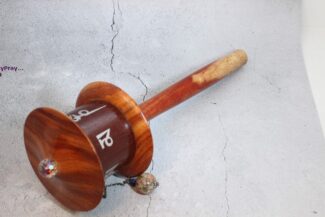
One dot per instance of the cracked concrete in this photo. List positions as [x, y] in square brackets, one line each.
[149, 204]
[150, 196]
[264, 162]
[115, 29]
[142, 83]
[224, 156]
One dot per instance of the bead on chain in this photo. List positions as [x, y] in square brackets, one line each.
[144, 184]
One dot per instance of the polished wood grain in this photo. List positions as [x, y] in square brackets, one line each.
[73, 143]
[50, 134]
[109, 93]
[98, 117]
[193, 84]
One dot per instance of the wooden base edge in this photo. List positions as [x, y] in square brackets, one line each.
[109, 93]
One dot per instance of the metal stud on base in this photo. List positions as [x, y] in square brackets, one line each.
[47, 168]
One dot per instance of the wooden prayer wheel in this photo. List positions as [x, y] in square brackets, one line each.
[107, 133]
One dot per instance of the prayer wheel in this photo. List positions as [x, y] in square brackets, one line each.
[106, 134]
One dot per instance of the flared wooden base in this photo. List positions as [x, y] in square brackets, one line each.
[106, 134]
[52, 135]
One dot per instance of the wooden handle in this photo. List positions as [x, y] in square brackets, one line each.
[193, 84]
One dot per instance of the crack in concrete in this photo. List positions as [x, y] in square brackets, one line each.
[142, 83]
[149, 204]
[119, 9]
[116, 30]
[143, 99]
[225, 163]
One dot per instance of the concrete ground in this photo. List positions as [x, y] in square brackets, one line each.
[250, 146]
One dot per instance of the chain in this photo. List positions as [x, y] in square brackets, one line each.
[113, 184]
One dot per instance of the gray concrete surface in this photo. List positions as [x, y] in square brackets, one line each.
[249, 146]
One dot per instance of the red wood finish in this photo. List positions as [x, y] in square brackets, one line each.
[108, 130]
[92, 141]
[107, 133]
[193, 84]
[110, 94]
[79, 182]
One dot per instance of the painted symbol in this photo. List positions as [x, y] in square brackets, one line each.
[104, 138]
[84, 113]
